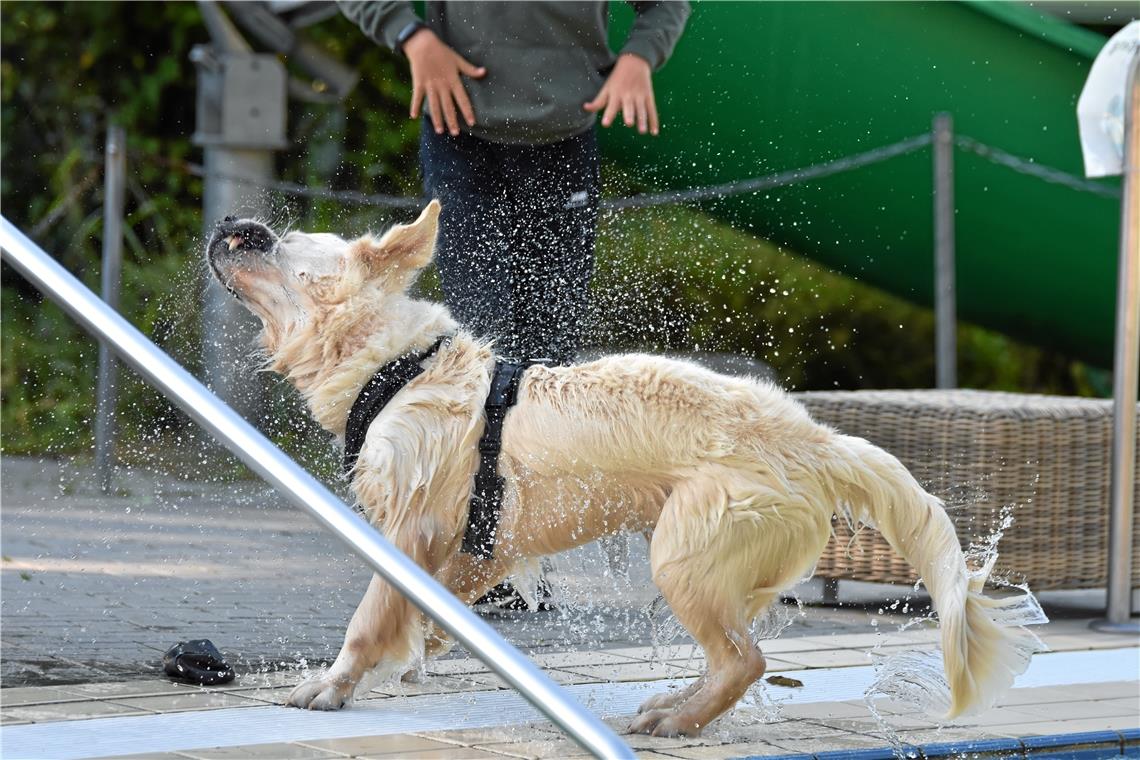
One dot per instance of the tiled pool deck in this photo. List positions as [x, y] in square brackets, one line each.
[817, 727]
[94, 587]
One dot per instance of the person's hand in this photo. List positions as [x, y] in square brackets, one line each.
[436, 69]
[629, 89]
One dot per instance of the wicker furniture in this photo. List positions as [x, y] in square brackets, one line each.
[1045, 458]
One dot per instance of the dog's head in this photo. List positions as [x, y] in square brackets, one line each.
[318, 285]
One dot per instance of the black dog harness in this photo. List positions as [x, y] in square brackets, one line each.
[487, 497]
[376, 393]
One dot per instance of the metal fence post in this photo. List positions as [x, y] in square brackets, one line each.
[1125, 376]
[240, 122]
[106, 393]
[945, 309]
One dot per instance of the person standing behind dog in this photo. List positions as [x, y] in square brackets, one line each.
[511, 93]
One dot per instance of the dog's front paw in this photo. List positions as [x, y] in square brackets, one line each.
[326, 693]
[664, 723]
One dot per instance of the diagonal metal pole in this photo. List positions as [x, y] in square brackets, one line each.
[271, 463]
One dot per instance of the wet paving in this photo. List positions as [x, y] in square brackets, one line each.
[96, 587]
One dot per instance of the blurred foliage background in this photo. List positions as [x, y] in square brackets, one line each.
[669, 279]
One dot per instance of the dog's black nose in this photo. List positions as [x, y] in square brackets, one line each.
[233, 234]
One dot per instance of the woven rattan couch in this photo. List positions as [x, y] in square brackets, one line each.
[1046, 458]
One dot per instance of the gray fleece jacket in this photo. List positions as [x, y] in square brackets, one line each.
[543, 59]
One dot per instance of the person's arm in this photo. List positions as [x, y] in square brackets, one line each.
[629, 87]
[436, 68]
[656, 30]
[381, 20]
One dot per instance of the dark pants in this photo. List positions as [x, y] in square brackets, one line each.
[516, 238]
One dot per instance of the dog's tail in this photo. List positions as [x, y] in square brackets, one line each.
[980, 657]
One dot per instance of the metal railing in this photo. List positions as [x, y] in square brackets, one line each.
[279, 470]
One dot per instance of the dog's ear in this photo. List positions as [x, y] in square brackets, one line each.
[406, 248]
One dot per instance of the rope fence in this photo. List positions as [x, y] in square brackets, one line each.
[1034, 169]
[903, 147]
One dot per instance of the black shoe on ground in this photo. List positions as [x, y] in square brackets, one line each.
[506, 597]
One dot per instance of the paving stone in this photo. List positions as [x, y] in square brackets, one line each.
[432, 685]
[633, 671]
[812, 745]
[1074, 710]
[1105, 690]
[832, 658]
[538, 748]
[493, 681]
[998, 716]
[869, 725]
[916, 737]
[391, 744]
[275, 695]
[8, 719]
[450, 753]
[34, 695]
[498, 735]
[790, 730]
[70, 711]
[1090, 640]
[141, 688]
[727, 751]
[1049, 727]
[281, 751]
[576, 660]
[825, 710]
[193, 701]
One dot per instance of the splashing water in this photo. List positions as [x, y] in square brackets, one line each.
[773, 621]
[664, 626]
[915, 680]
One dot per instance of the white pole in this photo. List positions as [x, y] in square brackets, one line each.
[1124, 378]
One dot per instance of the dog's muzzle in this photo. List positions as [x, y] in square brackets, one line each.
[234, 238]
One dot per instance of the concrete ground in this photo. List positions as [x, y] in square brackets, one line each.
[93, 588]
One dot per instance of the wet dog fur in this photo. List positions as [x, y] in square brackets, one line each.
[734, 479]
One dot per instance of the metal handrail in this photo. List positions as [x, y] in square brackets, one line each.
[284, 474]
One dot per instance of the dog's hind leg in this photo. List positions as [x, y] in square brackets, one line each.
[708, 553]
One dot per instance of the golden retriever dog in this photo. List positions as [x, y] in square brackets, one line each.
[736, 482]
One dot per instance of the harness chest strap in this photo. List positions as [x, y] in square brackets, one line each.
[487, 496]
[376, 393]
